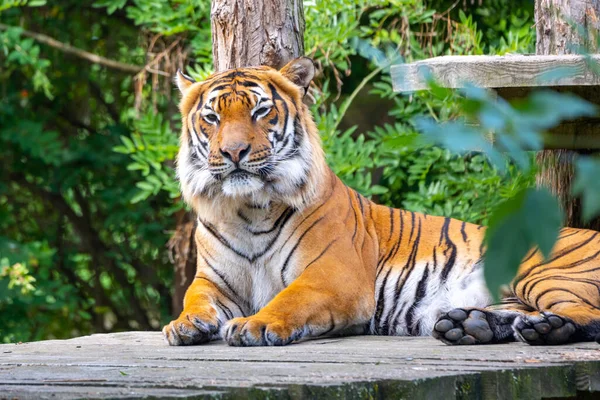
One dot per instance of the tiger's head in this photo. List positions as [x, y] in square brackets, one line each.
[248, 136]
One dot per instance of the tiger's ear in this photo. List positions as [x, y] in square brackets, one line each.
[183, 81]
[300, 71]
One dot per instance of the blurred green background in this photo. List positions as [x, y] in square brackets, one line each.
[88, 199]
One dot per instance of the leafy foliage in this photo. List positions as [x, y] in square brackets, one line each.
[88, 192]
[77, 255]
[150, 145]
[529, 220]
[504, 133]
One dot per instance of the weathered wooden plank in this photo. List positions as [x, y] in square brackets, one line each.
[498, 71]
[140, 364]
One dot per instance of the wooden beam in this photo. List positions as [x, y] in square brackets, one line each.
[498, 71]
[583, 134]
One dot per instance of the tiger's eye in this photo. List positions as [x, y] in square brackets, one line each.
[211, 118]
[261, 112]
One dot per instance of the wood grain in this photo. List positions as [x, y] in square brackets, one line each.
[498, 71]
[140, 364]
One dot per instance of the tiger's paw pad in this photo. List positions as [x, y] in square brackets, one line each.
[253, 331]
[189, 329]
[461, 326]
[544, 329]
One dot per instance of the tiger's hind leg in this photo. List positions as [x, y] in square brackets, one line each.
[480, 325]
[564, 323]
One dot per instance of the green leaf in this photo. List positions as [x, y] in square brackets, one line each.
[544, 109]
[140, 196]
[145, 186]
[36, 3]
[530, 219]
[128, 144]
[121, 149]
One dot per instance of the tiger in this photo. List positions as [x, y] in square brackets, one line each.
[286, 251]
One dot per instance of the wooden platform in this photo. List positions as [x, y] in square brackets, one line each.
[140, 364]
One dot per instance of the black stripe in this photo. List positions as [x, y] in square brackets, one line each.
[462, 231]
[360, 203]
[321, 254]
[348, 190]
[557, 289]
[298, 133]
[247, 83]
[200, 101]
[381, 299]
[561, 302]
[555, 257]
[236, 73]
[592, 282]
[284, 145]
[220, 275]
[220, 87]
[312, 212]
[285, 264]
[394, 248]
[273, 121]
[408, 267]
[526, 290]
[419, 295]
[391, 223]
[451, 246]
[412, 225]
[275, 95]
[280, 222]
[529, 256]
[218, 289]
[568, 235]
[244, 218]
[224, 308]
[257, 206]
[212, 230]
[274, 238]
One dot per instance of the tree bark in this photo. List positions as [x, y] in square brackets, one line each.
[256, 32]
[565, 27]
[245, 33]
[183, 255]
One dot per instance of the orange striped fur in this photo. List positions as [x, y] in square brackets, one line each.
[286, 251]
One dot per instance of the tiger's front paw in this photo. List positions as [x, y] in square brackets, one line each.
[463, 326]
[192, 327]
[257, 331]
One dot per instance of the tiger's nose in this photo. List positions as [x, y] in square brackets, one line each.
[235, 152]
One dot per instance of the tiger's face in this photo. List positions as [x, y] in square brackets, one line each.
[246, 132]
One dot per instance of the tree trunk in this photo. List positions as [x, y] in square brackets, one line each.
[245, 33]
[183, 255]
[256, 32]
[565, 27]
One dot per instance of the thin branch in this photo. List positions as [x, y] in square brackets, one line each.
[160, 55]
[86, 55]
